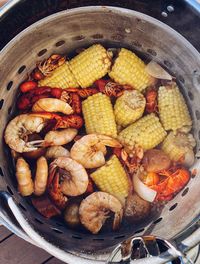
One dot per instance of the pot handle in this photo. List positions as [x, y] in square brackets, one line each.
[17, 223]
[147, 245]
[20, 226]
[8, 220]
[195, 4]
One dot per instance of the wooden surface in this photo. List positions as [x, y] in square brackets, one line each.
[2, 2]
[14, 250]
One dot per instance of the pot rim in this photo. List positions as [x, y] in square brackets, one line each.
[89, 9]
[108, 9]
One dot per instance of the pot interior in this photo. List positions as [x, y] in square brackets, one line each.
[64, 32]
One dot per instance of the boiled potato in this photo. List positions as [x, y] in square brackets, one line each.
[136, 208]
[71, 214]
[155, 160]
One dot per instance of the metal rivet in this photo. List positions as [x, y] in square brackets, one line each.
[164, 14]
[170, 8]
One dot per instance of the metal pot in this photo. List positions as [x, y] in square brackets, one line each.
[61, 33]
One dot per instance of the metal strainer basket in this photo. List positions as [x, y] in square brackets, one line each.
[62, 33]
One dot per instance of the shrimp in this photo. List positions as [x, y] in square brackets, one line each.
[18, 129]
[52, 105]
[58, 138]
[90, 150]
[24, 178]
[41, 176]
[55, 152]
[74, 178]
[94, 210]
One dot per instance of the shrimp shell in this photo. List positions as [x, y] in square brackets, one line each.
[90, 150]
[24, 178]
[19, 128]
[52, 105]
[55, 152]
[94, 210]
[75, 176]
[58, 138]
[41, 176]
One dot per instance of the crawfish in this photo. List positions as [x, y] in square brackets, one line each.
[54, 189]
[111, 88]
[151, 101]
[47, 66]
[45, 206]
[27, 100]
[75, 102]
[176, 179]
[131, 159]
[58, 121]
[66, 177]
[83, 93]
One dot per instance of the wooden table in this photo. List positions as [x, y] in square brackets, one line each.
[14, 250]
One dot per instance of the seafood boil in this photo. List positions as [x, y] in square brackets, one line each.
[100, 139]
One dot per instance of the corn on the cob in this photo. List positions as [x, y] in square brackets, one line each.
[173, 110]
[129, 107]
[130, 69]
[90, 65]
[61, 77]
[112, 178]
[98, 115]
[147, 132]
[176, 145]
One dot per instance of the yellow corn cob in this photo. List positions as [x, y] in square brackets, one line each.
[130, 69]
[173, 110]
[98, 115]
[90, 65]
[61, 77]
[129, 107]
[176, 145]
[112, 178]
[147, 132]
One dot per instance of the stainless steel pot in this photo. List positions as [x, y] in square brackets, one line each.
[62, 33]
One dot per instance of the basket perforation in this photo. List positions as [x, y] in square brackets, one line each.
[42, 52]
[186, 190]
[173, 207]
[9, 85]
[21, 69]
[63, 34]
[60, 43]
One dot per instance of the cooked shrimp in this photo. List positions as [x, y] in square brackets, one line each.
[24, 179]
[19, 128]
[41, 176]
[95, 209]
[58, 138]
[55, 152]
[52, 105]
[90, 150]
[75, 178]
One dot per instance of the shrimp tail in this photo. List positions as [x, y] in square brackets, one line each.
[117, 220]
[35, 144]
